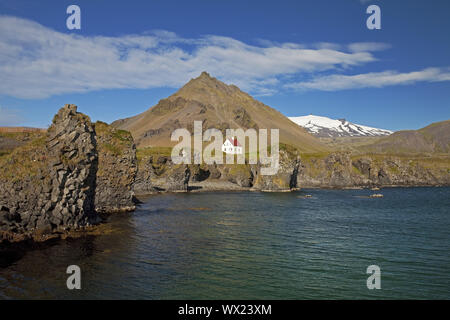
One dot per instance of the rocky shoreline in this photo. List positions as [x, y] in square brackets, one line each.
[221, 186]
[157, 173]
[338, 170]
[65, 181]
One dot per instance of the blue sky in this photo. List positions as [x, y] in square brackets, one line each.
[299, 57]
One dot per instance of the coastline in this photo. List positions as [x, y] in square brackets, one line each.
[35, 239]
[220, 185]
[69, 178]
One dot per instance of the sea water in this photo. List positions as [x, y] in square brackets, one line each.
[252, 245]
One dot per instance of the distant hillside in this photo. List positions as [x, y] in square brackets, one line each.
[434, 138]
[20, 129]
[219, 106]
[330, 128]
[13, 137]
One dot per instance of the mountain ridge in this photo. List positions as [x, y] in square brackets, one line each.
[434, 138]
[219, 106]
[325, 127]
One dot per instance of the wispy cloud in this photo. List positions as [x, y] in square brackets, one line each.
[38, 62]
[372, 80]
[368, 46]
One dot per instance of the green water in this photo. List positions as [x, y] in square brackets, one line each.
[251, 245]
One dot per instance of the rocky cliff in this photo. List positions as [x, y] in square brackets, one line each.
[48, 186]
[327, 170]
[286, 177]
[342, 169]
[158, 173]
[117, 167]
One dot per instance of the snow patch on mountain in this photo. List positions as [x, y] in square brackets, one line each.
[326, 127]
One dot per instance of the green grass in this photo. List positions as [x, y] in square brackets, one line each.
[153, 151]
[24, 161]
[21, 136]
[308, 157]
[357, 171]
[12, 135]
[122, 135]
[394, 169]
[116, 140]
[290, 150]
[240, 169]
[116, 150]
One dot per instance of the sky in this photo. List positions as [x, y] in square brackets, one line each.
[299, 57]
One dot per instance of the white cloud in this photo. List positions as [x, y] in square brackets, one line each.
[38, 62]
[372, 80]
[367, 46]
[328, 45]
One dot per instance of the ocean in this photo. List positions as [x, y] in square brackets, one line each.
[251, 245]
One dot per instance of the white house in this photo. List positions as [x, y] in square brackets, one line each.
[232, 146]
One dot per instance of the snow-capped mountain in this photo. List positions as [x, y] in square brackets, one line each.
[326, 127]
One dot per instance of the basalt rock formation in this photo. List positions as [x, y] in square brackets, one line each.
[53, 184]
[48, 186]
[117, 168]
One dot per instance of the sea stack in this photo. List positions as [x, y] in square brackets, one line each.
[58, 182]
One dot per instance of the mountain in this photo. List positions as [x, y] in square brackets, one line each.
[326, 127]
[434, 138]
[219, 106]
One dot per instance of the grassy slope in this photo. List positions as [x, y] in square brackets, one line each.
[24, 161]
[12, 139]
[434, 138]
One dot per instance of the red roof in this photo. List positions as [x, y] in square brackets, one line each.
[234, 142]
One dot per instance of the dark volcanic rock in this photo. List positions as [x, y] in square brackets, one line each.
[117, 167]
[145, 173]
[54, 184]
[159, 173]
[199, 172]
[48, 186]
[72, 161]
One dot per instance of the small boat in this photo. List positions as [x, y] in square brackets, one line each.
[376, 195]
